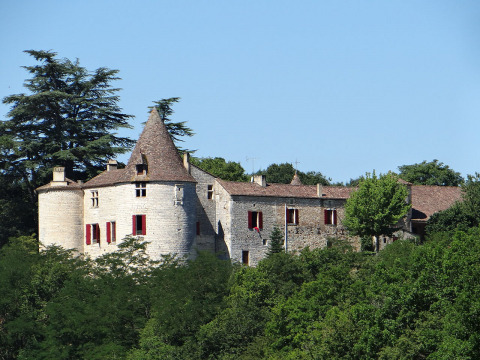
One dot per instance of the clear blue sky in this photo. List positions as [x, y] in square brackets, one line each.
[343, 87]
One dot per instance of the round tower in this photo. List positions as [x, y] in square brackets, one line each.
[60, 212]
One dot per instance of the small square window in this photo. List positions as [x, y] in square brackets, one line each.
[209, 192]
[255, 220]
[245, 259]
[141, 189]
[292, 216]
[330, 216]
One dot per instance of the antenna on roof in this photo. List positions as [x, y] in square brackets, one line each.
[253, 163]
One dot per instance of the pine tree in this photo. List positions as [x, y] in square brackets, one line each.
[276, 242]
[68, 117]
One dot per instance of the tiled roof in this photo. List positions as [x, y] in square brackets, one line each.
[71, 185]
[154, 147]
[283, 190]
[296, 180]
[427, 200]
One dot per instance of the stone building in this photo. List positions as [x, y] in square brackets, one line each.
[179, 208]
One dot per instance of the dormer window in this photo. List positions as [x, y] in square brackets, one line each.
[142, 169]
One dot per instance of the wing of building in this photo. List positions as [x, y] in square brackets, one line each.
[180, 209]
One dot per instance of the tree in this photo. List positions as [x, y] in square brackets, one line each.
[376, 207]
[225, 170]
[177, 130]
[431, 173]
[283, 174]
[276, 242]
[68, 118]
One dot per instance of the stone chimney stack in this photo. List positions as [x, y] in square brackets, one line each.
[260, 180]
[186, 161]
[319, 190]
[59, 176]
[112, 165]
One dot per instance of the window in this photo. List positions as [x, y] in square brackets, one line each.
[92, 234]
[111, 231]
[142, 169]
[141, 189]
[94, 197]
[209, 192]
[245, 257]
[292, 216]
[178, 194]
[198, 227]
[255, 220]
[330, 216]
[139, 225]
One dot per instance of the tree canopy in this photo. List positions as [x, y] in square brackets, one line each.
[430, 173]
[283, 174]
[68, 117]
[376, 207]
[219, 167]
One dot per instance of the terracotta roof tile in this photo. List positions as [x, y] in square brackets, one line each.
[427, 200]
[70, 185]
[296, 180]
[283, 190]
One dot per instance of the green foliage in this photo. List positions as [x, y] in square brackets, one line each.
[225, 170]
[177, 130]
[68, 118]
[283, 174]
[430, 173]
[276, 241]
[376, 207]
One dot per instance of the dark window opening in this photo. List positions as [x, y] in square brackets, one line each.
[142, 169]
[198, 227]
[292, 216]
[96, 233]
[210, 192]
[330, 216]
[255, 220]
[245, 257]
[111, 231]
[139, 225]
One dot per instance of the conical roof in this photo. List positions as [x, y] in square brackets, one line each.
[296, 180]
[156, 150]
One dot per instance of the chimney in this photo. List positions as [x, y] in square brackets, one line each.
[186, 161]
[59, 176]
[112, 165]
[319, 190]
[260, 180]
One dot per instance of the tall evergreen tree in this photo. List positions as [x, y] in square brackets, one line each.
[68, 117]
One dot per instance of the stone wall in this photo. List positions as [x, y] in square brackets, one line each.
[60, 214]
[170, 224]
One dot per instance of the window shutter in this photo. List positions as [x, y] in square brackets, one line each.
[134, 225]
[335, 217]
[250, 220]
[88, 234]
[144, 224]
[109, 238]
[325, 216]
[97, 232]
[260, 220]
[296, 216]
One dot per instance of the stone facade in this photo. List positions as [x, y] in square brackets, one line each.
[181, 209]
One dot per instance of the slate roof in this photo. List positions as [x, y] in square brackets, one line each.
[283, 190]
[156, 148]
[428, 199]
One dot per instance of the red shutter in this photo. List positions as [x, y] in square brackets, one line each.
[134, 225]
[109, 238]
[296, 216]
[97, 232]
[88, 234]
[325, 216]
[144, 224]
[250, 220]
[335, 217]
[260, 220]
